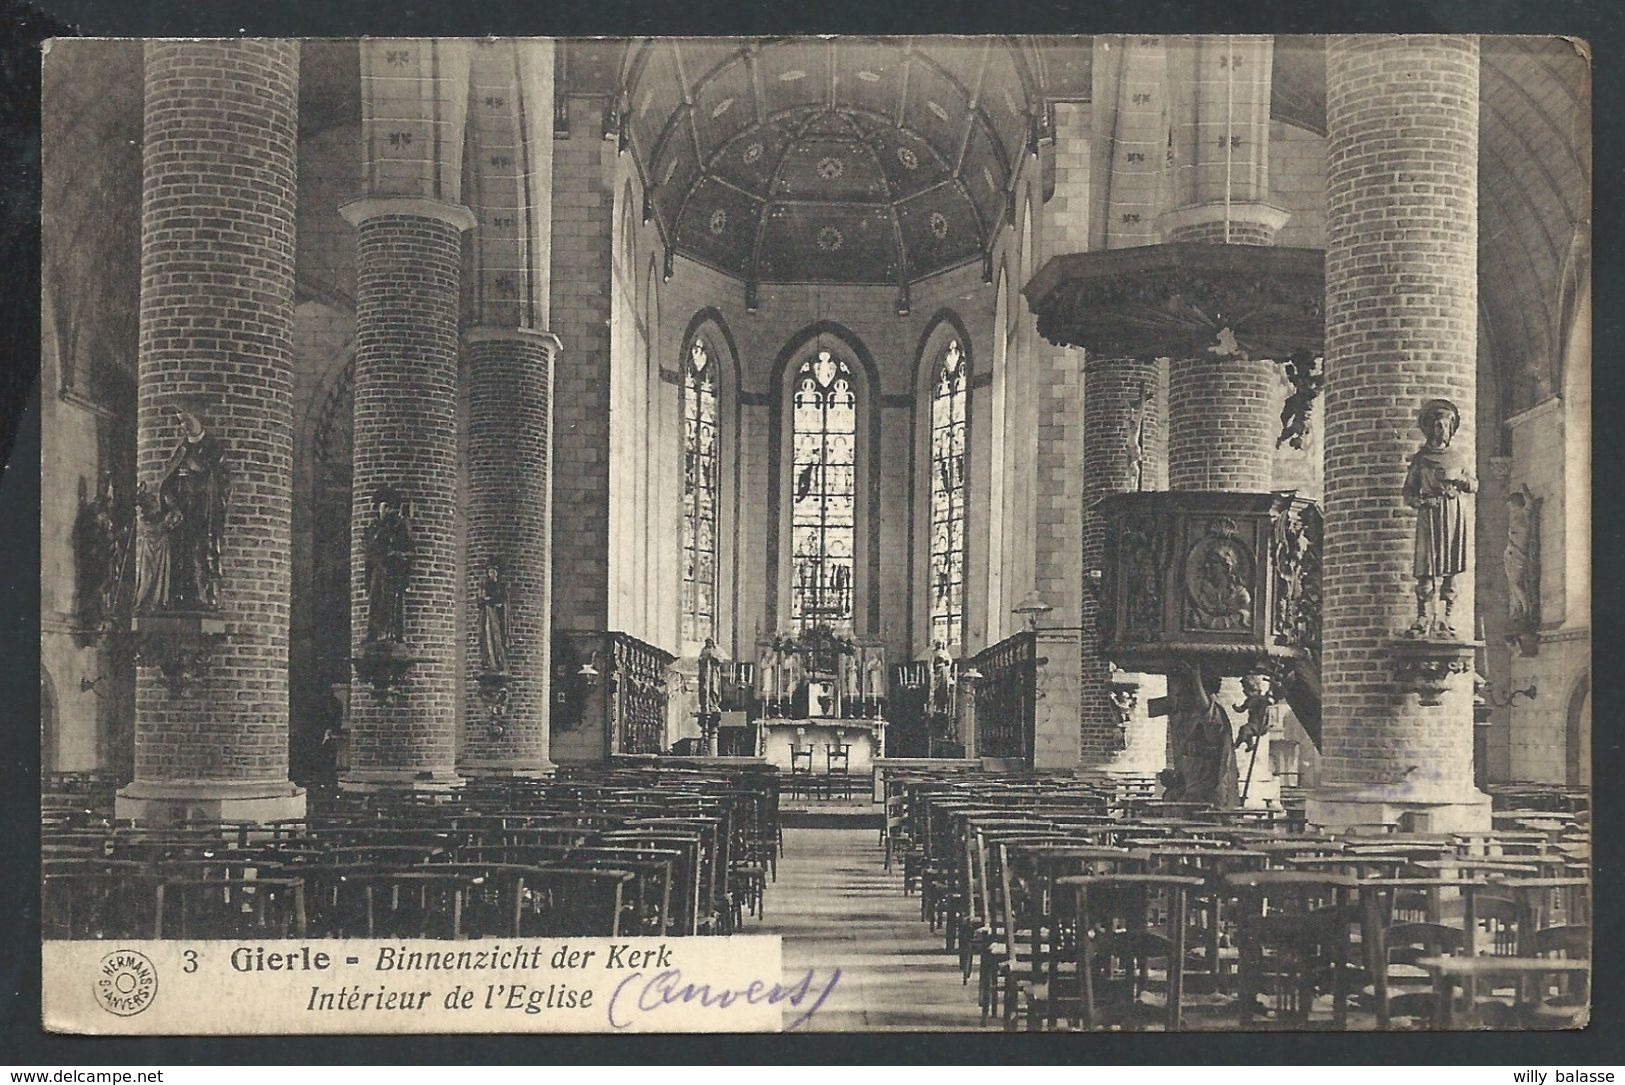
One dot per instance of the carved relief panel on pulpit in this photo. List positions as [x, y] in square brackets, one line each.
[1227, 576]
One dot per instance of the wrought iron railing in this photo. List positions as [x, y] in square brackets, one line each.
[1006, 696]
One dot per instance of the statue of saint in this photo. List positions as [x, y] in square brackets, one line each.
[1516, 559]
[1204, 750]
[851, 679]
[389, 550]
[1438, 478]
[767, 676]
[493, 621]
[710, 679]
[155, 527]
[195, 486]
[874, 675]
[942, 679]
[791, 674]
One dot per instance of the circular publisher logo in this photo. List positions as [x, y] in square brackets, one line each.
[126, 982]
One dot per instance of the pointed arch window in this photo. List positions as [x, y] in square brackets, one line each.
[700, 478]
[948, 411]
[823, 494]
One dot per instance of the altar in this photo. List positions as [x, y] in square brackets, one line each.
[866, 739]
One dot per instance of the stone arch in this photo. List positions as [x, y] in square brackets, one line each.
[1577, 733]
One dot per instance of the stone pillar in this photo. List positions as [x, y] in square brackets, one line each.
[217, 268]
[1120, 396]
[408, 283]
[508, 381]
[1401, 328]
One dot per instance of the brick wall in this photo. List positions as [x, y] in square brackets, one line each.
[1401, 326]
[216, 334]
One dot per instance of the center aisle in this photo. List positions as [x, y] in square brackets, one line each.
[837, 907]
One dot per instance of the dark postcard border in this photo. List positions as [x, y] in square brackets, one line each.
[23, 26]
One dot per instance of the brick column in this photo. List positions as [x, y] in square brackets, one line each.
[407, 297]
[1401, 328]
[217, 266]
[509, 384]
[1220, 415]
[1112, 390]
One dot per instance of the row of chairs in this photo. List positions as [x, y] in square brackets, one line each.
[616, 851]
[1091, 902]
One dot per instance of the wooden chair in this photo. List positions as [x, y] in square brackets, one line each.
[801, 771]
[837, 769]
[230, 908]
[1118, 940]
[1294, 933]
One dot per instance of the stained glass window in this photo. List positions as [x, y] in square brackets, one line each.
[700, 473]
[948, 498]
[823, 494]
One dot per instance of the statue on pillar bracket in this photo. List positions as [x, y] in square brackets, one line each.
[384, 657]
[495, 680]
[178, 535]
[1436, 485]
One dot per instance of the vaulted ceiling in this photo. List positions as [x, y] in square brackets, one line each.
[833, 143]
[830, 160]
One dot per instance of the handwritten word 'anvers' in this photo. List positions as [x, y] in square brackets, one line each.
[636, 995]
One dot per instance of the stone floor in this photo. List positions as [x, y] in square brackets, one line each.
[837, 907]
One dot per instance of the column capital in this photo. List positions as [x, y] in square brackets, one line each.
[363, 208]
[496, 333]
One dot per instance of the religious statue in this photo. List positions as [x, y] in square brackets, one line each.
[194, 489]
[154, 551]
[874, 675]
[710, 679]
[851, 679]
[1307, 376]
[1204, 751]
[942, 679]
[1518, 559]
[767, 676]
[1136, 438]
[389, 552]
[493, 621]
[1257, 691]
[790, 675]
[103, 551]
[1438, 478]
